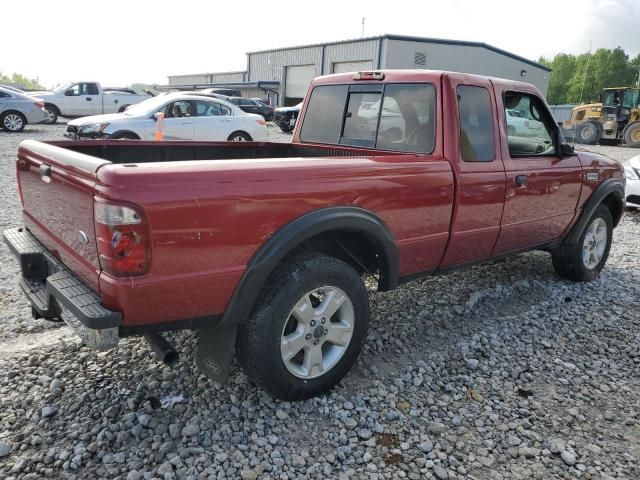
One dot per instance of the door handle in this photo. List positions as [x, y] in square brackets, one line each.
[88, 99]
[521, 180]
[187, 123]
[45, 173]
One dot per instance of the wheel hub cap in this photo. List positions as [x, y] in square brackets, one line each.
[594, 244]
[317, 332]
[12, 122]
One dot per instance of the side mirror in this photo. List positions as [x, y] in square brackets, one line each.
[567, 150]
[158, 115]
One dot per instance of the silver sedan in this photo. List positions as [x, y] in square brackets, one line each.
[17, 110]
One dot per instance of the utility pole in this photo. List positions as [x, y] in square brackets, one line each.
[363, 20]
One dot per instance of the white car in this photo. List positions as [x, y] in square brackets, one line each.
[186, 117]
[632, 188]
[518, 124]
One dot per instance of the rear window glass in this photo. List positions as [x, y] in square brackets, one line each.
[401, 118]
[476, 124]
[323, 120]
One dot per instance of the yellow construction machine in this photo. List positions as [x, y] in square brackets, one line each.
[614, 119]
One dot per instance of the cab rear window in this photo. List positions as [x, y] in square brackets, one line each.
[395, 116]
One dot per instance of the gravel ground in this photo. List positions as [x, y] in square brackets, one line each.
[503, 371]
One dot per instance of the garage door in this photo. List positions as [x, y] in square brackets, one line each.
[360, 66]
[297, 81]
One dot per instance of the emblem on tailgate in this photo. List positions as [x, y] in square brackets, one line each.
[84, 239]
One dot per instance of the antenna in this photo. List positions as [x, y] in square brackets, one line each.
[363, 20]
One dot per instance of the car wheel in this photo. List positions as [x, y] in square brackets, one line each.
[285, 127]
[124, 136]
[307, 328]
[239, 137]
[588, 133]
[631, 135]
[584, 260]
[13, 121]
[53, 113]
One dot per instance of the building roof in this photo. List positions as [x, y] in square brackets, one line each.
[409, 38]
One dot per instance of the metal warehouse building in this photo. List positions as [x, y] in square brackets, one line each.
[284, 74]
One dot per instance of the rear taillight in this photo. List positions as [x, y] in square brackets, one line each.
[122, 238]
[40, 104]
[261, 122]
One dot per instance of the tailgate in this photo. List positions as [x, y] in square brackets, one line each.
[57, 188]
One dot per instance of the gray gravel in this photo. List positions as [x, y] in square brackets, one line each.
[503, 371]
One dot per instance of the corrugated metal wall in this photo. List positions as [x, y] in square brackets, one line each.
[462, 58]
[222, 77]
[350, 52]
[270, 65]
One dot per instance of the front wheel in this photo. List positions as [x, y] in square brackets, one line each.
[588, 133]
[13, 121]
[239, 137]
[307, 328]
[584, 260]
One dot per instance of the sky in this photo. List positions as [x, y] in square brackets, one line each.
[121, 42]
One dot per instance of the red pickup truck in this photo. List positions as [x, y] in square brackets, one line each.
[262, 247]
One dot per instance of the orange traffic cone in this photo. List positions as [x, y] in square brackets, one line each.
[159, 126]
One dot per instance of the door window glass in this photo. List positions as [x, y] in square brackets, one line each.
[361, 118]
[208, 109]
[529, 126]
[476, 124]
[181, 108]
[323, 120]
[90, 89]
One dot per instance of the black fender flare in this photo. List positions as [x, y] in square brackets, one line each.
[608, 187]
[294, 234]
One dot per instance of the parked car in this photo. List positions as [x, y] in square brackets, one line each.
[632, 187]
[263, 248]
[519, 124]
[17, 110]
[252, 106]
[285, 117]
[186, 117]
[79, 99]
[227, 92]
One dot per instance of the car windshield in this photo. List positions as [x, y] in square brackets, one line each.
[64, 87]
[147, 107]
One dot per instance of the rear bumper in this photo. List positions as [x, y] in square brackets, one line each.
[54, 291]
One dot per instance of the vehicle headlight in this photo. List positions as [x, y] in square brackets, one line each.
[630, 174]
[93, 128]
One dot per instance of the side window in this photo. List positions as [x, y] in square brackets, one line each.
[181, 108]
[476, 124]
[407, 119]
[361, 119]
[4, 95]
[91, 89]
[224, 110]
[206, 109]
[529, 127]
[75, 90]
[323, 118]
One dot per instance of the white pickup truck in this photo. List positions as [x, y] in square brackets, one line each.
[81, 99]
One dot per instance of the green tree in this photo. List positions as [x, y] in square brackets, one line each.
[20, 81]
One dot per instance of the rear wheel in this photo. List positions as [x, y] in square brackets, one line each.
[584, 260]
[239, 137]
[588, 133]
[13, 121]
[631, 135]
[307, 328]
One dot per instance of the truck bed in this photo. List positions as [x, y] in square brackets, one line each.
[122, 152]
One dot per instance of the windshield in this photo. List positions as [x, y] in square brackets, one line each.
[65, 87]
[630, 98]
[147, 107]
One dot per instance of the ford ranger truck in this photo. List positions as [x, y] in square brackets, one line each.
[262, 247]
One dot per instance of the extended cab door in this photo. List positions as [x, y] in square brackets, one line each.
[472, 146]
[212, 121]
[542, 187]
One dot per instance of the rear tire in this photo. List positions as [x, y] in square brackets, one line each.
[583, 261]
[588, 133]
[13, 121]
[631, 135]
[239, 137]
[307, 328]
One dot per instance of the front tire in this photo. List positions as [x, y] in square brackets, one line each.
[307, 328]
[631, 135]
[124, 136]
[13, 121]
[583, 261]
[239, 137]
